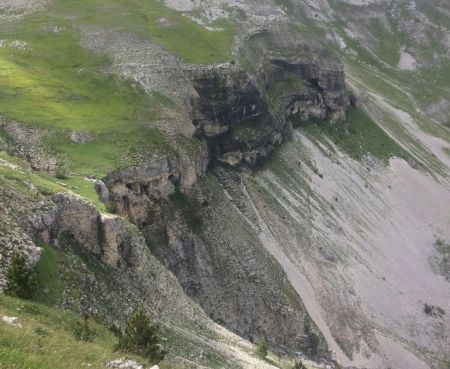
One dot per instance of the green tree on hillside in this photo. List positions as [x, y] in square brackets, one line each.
[298, 365]
[21, 280]
[141, 337]
[261, 349]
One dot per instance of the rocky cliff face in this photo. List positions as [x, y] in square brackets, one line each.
[235, 282]
[192, 218]
[182, 210]
[309, 88]
[243, 120]
[110, 238]
[232, 116]
[138, 192]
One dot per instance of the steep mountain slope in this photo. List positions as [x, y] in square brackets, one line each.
[276, 167]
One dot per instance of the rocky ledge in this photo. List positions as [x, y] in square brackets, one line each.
[243, 118]
[231, 115]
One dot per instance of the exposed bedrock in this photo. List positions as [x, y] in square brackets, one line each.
[138, 192]
[231, 115]
[112, 239]
[170, 202]
[243, 118]
[309, 88]
[185, 214]
[231, 277]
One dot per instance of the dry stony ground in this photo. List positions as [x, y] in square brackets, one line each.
[363, 269]
[15, 8]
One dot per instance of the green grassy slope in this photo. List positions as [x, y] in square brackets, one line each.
[150, 18]
[362, 137]
[13, 171]
[47, 340]
[48, 81]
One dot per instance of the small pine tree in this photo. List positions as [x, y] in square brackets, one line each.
[314, 341]
[21, 280]
[83, 331]
[298, 365]
[141, 337]
[261, 349]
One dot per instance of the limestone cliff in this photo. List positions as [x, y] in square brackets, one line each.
[182, 209]
[243, 117]
[232, 116]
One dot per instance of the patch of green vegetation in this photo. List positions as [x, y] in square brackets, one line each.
[439, 75]
[49, 288]
[21, 279]
[52, 82]
[107, 151]
[388, 47]
[189, 207]
[150, 18]
[46, 339]
[21, 177]
[362, 136]
[46, 184]
[261, 349]
[80, 186]
[141, 337]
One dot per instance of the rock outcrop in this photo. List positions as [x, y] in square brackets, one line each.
[26, 142]
[232, 116]
[14, 216]
[309, 88]
[236, 115]
[14, 241]
[224, 276]
[110, 238]
[137, 192]
[243, 118]
[220, 262]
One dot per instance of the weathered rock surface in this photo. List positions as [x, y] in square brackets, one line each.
[233, 281]
[223, 268]
[112, 239]
[243, 118]
[26, 142]
[137, 192]
[80, 137]
[111, 278]
[14, 241]
[232, 113]
[13, 221]
[232, 116]
[310, 88]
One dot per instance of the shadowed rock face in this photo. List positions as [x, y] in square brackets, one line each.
[235, 116]
[110, 238]
[232, 116]
[311, 89]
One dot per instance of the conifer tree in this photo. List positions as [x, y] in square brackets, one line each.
[141, 337]
[21, 280]
[261, 349]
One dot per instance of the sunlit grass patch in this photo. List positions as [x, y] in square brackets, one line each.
[149, 18]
